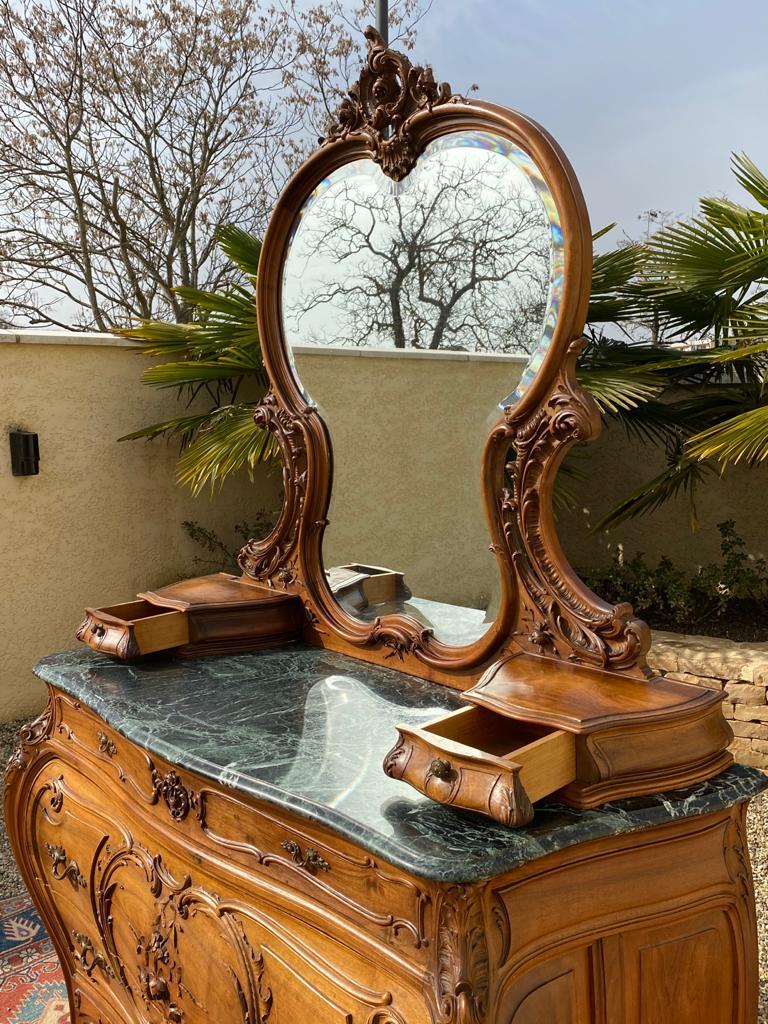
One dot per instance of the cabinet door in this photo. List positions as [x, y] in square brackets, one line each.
[685, 972]
[560, 991]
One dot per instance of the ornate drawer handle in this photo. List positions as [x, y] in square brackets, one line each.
[178, 799]
[106, 745]
[88, 958]
[311, 861]
[61, 868]
[440, 769]
[98, 630]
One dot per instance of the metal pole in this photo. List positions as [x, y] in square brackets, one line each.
[382, 20]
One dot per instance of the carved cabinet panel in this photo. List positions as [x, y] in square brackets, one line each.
[560, 991]
[676, 972]
[685, 971]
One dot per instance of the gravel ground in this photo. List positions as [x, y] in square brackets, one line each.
[10, 882]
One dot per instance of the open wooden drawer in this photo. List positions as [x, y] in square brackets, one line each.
[134, 628]
[218, 614]
[481, 761]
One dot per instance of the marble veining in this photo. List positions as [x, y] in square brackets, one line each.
[307, 729]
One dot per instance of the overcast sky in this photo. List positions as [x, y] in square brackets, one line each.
[648, 99]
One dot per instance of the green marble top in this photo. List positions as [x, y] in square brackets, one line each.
[307, 729]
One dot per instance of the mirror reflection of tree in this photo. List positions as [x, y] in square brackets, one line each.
[455, 258]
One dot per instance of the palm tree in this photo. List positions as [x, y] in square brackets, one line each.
[215, 359]
[706, 278]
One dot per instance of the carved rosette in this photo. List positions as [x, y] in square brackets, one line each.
[381, 106]
[558, 615]
[461, 967]
[274, 560]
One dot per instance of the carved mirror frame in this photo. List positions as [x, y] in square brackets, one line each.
[390, 116]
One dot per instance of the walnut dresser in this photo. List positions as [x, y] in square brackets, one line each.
[215, 841]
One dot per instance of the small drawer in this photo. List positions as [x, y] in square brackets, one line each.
[480, 761]
[132, 629]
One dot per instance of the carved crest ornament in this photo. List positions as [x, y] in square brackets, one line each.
[390, 115]
[382, 105]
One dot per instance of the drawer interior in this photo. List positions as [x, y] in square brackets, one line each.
[132, 611]
[487, 731]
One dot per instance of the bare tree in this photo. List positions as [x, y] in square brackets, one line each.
[130, 132]
[457, 258]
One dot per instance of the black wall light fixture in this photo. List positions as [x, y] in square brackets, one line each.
[25, 453]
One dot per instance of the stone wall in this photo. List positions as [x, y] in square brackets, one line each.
[739, 670]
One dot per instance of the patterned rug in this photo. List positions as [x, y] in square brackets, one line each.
[32, 989]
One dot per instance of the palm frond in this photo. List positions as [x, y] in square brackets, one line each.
[750, 177]
[156, 337]
[231, 442]
[740, 438]
[180, 426]
[614, 391]
[614, 297]
[241, 247]
[234, 363]
[717, 356]
[682, 477]
[235, 303]
[654, 422]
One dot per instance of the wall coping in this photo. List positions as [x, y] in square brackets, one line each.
[82, 338]
[709, 656]
[408, 353]
[95, 338]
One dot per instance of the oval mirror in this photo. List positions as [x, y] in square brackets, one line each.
[413, 312]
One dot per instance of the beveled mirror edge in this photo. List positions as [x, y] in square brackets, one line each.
[539, 607]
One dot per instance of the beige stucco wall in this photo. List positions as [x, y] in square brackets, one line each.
[102, 519]
[615, 466]
[408, 430]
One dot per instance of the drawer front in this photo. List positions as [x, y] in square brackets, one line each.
[377, 897]
[452, 774]
[82, 734]
[165, 933]
[68, 837]
[267, 842]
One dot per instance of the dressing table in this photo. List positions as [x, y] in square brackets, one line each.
[337, 788]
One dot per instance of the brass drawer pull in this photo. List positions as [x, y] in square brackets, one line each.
[311, 861]
[62, 868]
[88, 958]
[106, 745]
[440, 769]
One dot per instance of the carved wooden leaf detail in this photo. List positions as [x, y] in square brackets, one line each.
[462, 970]
[273, 559]
[559, 616]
